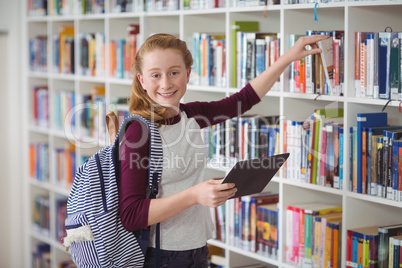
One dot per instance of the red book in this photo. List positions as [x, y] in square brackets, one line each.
[349, 249]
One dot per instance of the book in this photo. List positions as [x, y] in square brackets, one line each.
[394, 251]
[327, 57]
[360, 37]
[324, 241]
[240, 26]
[366, 120]
[385, 232]
[395, 65]
[336, 226]
[384, 65]
[357, 247]
[306, 235]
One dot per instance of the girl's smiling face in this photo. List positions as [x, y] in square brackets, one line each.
[164, 77]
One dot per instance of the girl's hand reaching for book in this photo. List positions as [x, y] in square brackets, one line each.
[300, 48]
[213, 193]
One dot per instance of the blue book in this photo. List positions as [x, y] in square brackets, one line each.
[341, 138]
[351, 130]
[370, 132]
[366, 120]
[395, 162]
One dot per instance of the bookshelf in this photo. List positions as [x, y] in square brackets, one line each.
[285, 19]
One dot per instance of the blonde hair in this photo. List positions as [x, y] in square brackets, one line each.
[140, 103]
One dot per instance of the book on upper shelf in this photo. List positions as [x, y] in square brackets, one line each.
[239, 26]
[327, 55]
[38, 53]
[364, 120]
[40, 106]
[39, 161]
[65, 57]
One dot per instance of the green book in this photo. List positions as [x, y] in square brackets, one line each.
[240, 26]
[322, 116]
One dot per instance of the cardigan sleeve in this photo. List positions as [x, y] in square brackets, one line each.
[133, 203]
[210, 113]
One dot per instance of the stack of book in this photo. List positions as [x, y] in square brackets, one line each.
[374, 246]
[209, 59]
[41, 257]
[65, 167]
[376, 157]
[378, 65]
[253, 223]
[93, 115]
[313, 235]
[39, 161]
[91, 54]
[319, 73]
[38, 54]
[64, 103]
[316, 148]
[123, 52]
[40, 215]
[40, 106]
[63, 56]
[244, 137]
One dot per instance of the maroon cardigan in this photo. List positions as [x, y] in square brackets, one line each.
[133, 202]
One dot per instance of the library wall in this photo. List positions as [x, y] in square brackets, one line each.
[11, 225]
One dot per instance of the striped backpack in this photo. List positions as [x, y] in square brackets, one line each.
[95, 234]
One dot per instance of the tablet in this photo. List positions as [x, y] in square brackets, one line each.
[252, 176]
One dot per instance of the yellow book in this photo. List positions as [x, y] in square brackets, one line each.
[65, 32]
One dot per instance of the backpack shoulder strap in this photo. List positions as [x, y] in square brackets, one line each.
[155, 149]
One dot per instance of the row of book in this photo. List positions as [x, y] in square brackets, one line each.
[38, 54]
[40, 106]
[254, 3]
[65, 7]
[64, 103]
[209, 54]
[252, 222]
[63, 52]
[313, 235]
[289, 2]
[319, 73]
[65, 165]
[91, 54]
[123, 52]
[316, 148]
[40, 215]
[243, 137]
[39, 161]
[374, 246]
[92, 111]
[203, 4]
[159, 5]
[378, 65]
[72, 7]
[93, 123]
[61, 215]
[255, 52]
[41, 256]
[376, 157]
